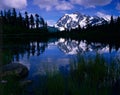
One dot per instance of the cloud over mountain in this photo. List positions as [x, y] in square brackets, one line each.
[64, 6]
[18, 4]
[53, 4]
[68, 4]
[91, 3]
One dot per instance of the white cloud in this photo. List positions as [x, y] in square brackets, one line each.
[68, 5]
[19, 4]
[53, 4]
[51, 22]
[64, 6]
[91, 3]
[118, 6]
[45, 4]
[105, 16]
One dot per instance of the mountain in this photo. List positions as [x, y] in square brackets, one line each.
[72, 21]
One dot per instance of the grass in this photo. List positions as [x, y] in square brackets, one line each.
[12, 86]
[6, 57]
[86, 77]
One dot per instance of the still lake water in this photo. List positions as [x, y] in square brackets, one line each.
[56, 54]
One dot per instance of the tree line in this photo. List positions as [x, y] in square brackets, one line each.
[112, 26]
[12, 21]
[107, 31]
[35, 26]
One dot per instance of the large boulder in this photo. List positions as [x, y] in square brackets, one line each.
[16, 69]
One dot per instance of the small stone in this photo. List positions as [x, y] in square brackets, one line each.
[14, 69]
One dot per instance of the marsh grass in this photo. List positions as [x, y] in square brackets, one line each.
[6, 57]
[86, 77]
[12, 86]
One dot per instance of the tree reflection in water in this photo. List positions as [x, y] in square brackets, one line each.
[68, 46]
[32, 48]
[97, 75]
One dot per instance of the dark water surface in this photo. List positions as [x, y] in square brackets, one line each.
[56, 54]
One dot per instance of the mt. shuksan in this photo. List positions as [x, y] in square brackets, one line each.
[72, 21]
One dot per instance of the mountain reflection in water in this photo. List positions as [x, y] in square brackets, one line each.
[54, 54]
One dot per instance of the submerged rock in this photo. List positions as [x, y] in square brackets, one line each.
[14, 69]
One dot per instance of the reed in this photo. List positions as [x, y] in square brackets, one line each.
[86, 77]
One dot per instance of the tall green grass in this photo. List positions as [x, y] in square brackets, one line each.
[86, 77]
[12, 86]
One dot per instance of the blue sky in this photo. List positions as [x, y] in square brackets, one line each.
[52, 10]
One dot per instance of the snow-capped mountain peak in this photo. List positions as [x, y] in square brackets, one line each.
[72, 21]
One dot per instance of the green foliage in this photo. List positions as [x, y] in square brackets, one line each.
[86, 77]
[32, 21]
[55, 84]
[11, 87]
[96, 71]
[36, 26]
[6, 57]
[13, 24]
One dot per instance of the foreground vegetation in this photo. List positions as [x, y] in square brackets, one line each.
[86, 77]
[10, 85]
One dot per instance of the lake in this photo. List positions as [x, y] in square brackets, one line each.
[42, 57]
[58, 52]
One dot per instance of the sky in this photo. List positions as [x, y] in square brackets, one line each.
[53, 10]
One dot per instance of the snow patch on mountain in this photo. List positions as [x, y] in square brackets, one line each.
[72, 21]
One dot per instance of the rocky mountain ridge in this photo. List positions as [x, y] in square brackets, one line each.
[74, 20]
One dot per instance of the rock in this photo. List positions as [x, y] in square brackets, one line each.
[14, 69]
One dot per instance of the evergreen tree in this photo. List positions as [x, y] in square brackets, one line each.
[8, 13]
[14, 13]
[26, 20]
[118, 21]
[1, 13]
[45, 25]
[42, 22]
[111, 26]
[20, 20]
[14, 17]
[9, 16]
[5, 14]
[37, 20]
[1, 17]
[32, 21]
[79, 27]
[118, 24]
[1, 22]
[14, 22]
[111, 20]
[88, 23]
[4, 18]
